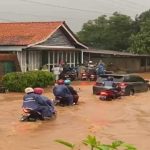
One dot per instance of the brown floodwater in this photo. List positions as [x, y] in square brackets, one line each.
[127, 119]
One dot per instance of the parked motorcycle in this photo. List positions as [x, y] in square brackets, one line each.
[92, 77]
[84, 76]
[70, 75]
[110, 94]
[92, 74]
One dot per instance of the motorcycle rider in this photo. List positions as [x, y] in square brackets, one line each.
[35, 102]
[72, 91]
[49, 102]
[61, 91]
[109, 82]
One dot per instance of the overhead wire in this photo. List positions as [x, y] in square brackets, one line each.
[63, 7]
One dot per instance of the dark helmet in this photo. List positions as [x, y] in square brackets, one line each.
[60, 82]
[67, 82]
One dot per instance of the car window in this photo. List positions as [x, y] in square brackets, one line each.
[129, 79]
[139, 79]
[133, 78]
[116, 78]
[101, 79]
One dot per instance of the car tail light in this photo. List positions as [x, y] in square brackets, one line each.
[103, 93]
[122, 85]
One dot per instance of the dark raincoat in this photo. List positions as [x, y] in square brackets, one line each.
[35, 102]
[63, 91]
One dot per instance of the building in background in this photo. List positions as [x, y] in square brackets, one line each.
[38, 44]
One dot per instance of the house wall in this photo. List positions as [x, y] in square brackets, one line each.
[34, 60]
[120, 63]
[57, 39]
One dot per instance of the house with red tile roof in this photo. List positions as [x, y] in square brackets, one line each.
[36, 44]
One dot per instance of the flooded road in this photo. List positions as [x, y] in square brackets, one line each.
[127, 119]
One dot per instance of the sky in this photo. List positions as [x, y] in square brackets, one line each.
[74, 12]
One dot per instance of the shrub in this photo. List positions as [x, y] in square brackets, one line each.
[18, 81]
[94, 144]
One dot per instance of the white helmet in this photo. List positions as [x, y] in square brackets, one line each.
[90, 62]
[29, 90]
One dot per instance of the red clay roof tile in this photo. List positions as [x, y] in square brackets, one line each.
[26, 33]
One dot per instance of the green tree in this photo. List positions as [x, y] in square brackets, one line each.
[140, 42]
[140, 39]
[120, 29]
[107, 32]
[94, 32]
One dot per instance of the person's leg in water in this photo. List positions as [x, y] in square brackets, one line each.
[75, 99]
[69, 100]
[45, 111]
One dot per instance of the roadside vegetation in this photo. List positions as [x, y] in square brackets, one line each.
[118, 32]
[18, 81]
[93, 144]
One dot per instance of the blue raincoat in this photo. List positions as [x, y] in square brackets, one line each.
[35, 102]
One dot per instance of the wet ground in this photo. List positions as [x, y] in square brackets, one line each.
[127, 119]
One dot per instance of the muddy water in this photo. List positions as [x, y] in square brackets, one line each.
[127, 119]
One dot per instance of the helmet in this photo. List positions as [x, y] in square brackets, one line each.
[90, 62]
[38, 91]
[28, 90]
[67, 82]
[60, 82]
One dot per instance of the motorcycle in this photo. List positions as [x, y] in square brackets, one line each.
[92, 74]
[60, 101]
[110, 94]
[70, 75]
[84, 76]
[92, 77]
[31, 115]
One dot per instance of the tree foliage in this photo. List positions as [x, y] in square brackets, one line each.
[107, 33]
[140, 40]
[118, 32]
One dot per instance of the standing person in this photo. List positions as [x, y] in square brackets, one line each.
[56, 70]
[34, 102]
[61, 91]
[90, 65]
[72, 91]
[100, 68]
